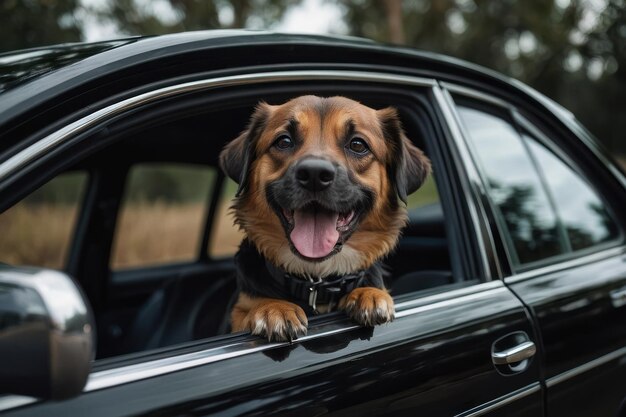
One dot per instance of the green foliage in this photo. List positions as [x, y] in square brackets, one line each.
[169, 183]
[425, 195]
[30, 23]
[185, 15]
[565, 49]
[568, 49]
[66, 189]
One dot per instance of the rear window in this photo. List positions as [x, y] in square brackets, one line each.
[162, 215]
[37, 231]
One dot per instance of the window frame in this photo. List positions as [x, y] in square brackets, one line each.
[524, 124]
[518, 120]
[200, 238]
[408, 304]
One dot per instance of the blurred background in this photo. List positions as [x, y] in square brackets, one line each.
[574, 51]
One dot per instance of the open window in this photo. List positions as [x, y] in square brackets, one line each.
[154, 243]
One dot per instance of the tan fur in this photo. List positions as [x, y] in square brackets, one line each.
[368, 306]
[377, 234]
[269, 317]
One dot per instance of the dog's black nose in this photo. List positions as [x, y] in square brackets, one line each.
[315, 174]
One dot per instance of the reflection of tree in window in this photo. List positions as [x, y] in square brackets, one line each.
[579, 207]
[581, 237]
[534, 237]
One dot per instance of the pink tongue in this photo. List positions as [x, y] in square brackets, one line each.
[315, 232]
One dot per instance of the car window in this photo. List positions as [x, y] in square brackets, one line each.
[225, 235]
[427, 195]
[162, 214]
[579, 207]
[514, 185]
[38, 230]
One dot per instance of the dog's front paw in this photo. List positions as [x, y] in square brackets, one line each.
[368, 306]
[277, 320]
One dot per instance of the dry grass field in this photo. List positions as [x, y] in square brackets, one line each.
[36, 234]
[165, 233]
[149, 234]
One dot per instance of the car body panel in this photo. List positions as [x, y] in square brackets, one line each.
[437, 349]
[581, 322]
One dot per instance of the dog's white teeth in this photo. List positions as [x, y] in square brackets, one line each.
[288, 214]
[345, 219]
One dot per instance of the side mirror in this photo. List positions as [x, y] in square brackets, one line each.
[46, 334]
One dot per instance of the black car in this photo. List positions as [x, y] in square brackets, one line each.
[509, 281]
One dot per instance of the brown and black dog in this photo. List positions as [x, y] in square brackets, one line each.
[322, 183]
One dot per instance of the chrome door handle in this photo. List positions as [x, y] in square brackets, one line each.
[618, 297]
[515, 354]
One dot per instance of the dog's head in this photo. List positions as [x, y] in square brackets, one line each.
[320, 183]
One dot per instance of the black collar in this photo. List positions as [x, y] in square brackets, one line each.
[259, 278]
[314, 291]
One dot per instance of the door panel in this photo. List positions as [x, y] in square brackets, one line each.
[434, 359]
[583, 332]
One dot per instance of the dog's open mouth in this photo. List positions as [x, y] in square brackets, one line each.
[316, 232]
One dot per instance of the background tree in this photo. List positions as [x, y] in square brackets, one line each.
[570, 50]
[141, 18]
[574, 51]
[30, 23]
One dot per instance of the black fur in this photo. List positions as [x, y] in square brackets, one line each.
[410, 166]
[237, 156]
[254, 279]
[342, 196]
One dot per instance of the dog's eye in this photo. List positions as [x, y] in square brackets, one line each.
[358, 145]
[283, 142]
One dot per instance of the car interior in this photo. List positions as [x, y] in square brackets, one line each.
[142, 304]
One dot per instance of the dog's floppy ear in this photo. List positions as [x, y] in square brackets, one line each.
[409, 167]
[237, 155]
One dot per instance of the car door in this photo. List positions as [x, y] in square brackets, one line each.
[464, 347]
[564, 247]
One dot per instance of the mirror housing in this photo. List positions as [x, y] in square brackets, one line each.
[47, 334]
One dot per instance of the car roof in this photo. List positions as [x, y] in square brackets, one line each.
[57, 79]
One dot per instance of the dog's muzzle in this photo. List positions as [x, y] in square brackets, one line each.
[318, 205]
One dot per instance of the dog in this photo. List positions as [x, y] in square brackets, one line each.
[322, 195]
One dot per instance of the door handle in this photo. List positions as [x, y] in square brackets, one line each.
[525, 350]
[618, 297]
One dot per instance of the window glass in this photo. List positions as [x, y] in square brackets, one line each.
[225, 235]
[514, 185]
[425, 196]
[162, 214]
[581, 211]
[38, 230]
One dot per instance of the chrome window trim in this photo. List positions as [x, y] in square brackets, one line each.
[10, 401]
[502, 401]
[494, 231]
[109, 378]
[135, 372]
[602, 360]
[475, 94]
[567, 264]
[476, 209]
[60, 136]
